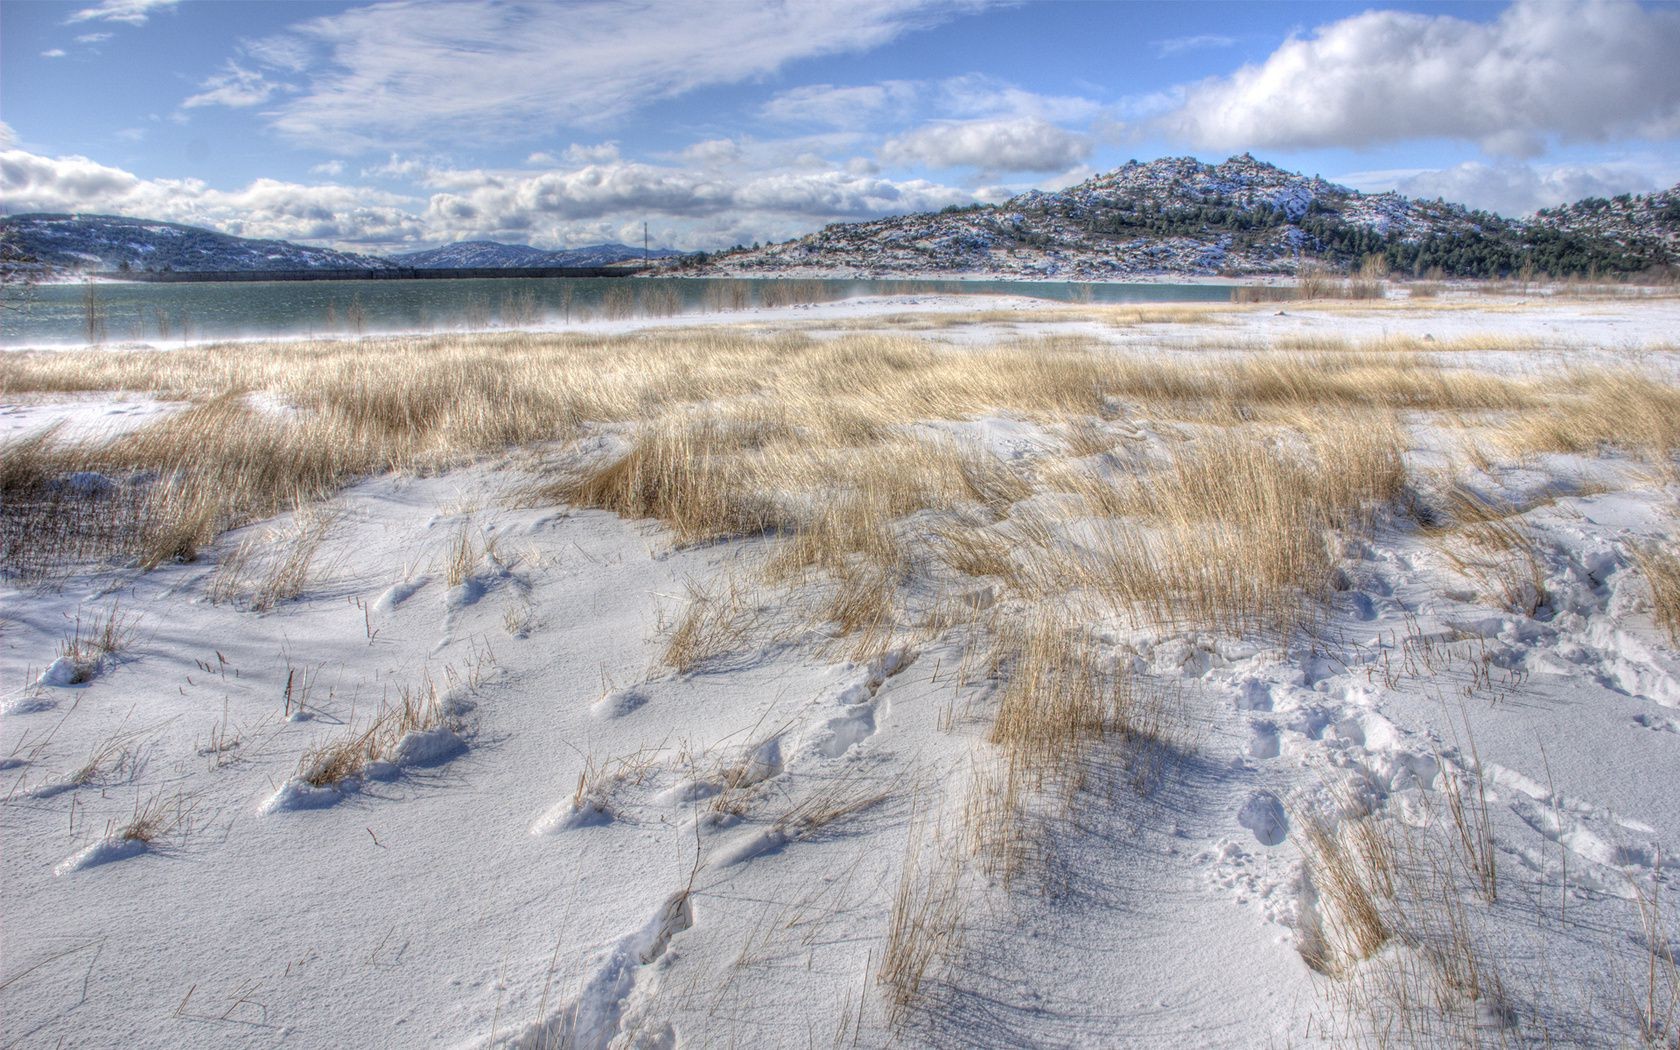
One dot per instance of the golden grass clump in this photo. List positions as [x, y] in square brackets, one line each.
[1350, 864]
[1661, 566]
[1634, 411]
[1240, 527]
[924, 927]
[336, 761]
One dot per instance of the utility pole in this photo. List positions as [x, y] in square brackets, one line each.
[644, 243]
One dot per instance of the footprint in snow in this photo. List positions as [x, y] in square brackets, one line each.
[1263, 815]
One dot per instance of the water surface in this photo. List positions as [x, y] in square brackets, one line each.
[119, 312]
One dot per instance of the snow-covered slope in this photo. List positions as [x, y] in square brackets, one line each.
[1178, 215]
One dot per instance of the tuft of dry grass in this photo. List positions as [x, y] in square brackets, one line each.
[713, 622]
[156, 817]
[1661, 566]
[1633, 411]
[278, 566]
[1249, 556]
[347, 757]
[1504, 561]
[924, 928]
[94, 643]
[1349, 862]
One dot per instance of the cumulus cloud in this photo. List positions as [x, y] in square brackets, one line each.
[1019, 144]
[129, 12]
[7, 135]
[393, 74]
[235, 87]
[54, 52]
[344, 215]
[1515, 188]
[703, 209]
[1584, 70]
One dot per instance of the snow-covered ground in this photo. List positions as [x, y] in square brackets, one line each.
[594, 849]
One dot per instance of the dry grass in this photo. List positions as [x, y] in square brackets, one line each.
[1491, 544]
[1393, 928]
[924, 929]
[1349, 862]
[156, 817]
[277, 566]
[1661, 566]
[1627, 410]
[714, 622]
[97, 641]
[347, 757]
[1249, 556]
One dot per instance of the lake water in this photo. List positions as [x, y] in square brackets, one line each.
[133, 312]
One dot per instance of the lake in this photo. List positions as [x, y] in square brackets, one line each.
[119, 312]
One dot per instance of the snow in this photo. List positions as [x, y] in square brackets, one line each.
[601, 852]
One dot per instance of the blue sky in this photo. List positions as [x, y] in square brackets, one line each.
[386, 126]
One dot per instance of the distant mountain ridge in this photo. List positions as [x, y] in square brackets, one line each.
[1173, 216]
[113, 243]
[1242, 217]
[495, 255]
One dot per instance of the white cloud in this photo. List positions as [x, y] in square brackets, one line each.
[1020, 144]
[843, 107]
[328, 168]
[1201, 42]
[394, 74]
[55, 52]
[130, 134]
[93, 38]
[7, 135]
[129, 12]
[600, 153]
[397, 167]
[348, 216]
[236, 87]
[1584, 70]
[894, 101]
[977, 95]
[1515, 188]
[713, 153]
[701, 209]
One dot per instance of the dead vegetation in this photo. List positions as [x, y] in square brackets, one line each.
[416, 710]
[1396, 925]
[1661, 565]
[95, 642]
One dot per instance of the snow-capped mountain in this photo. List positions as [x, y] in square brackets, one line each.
[1243, 217]
[113, 243]
[493, 255]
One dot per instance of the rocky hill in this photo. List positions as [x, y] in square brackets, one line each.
[491, 254]
[1240, 218]
[1648, 222]
[111, 243]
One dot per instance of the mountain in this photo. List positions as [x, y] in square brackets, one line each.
[107, 243]
[492, 255]
[1243, 217]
